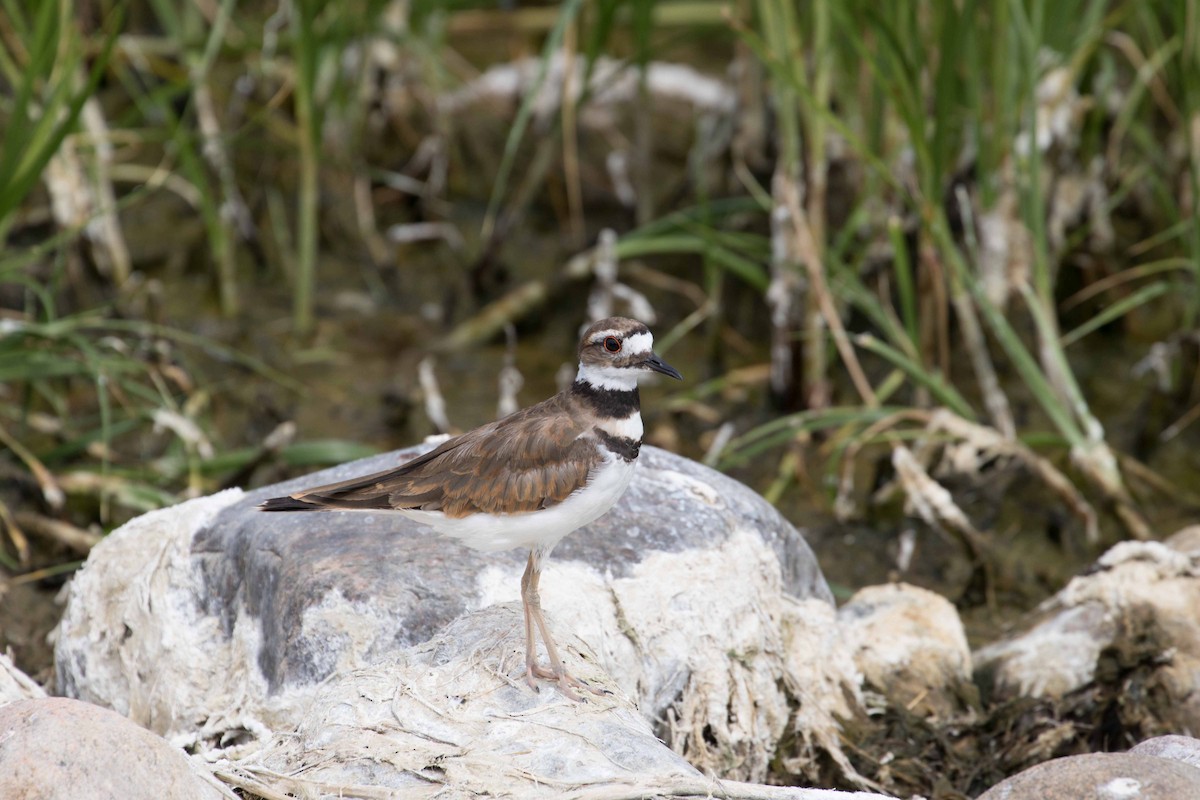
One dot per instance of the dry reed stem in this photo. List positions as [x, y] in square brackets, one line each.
[807, 248]
[600, 302]
[785, 281]
[816, 365]
[984, 438]
[935, 505]
[368, 231]
[15, 535]
[106, 224]
[77, 539]
[844, 507]
[82, 196]
[979, 437]
[510, 379]
[569, 113]
[1136, 469]
[232, 208]
[994, 398]
[52, 492]
[435, 403]
[514, 305]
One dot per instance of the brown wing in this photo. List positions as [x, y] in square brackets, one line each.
[527, 461]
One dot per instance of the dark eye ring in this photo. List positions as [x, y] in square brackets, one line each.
[612, 344]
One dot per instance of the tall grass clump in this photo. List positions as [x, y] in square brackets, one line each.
[104, 414]
[906, 229]
[50, 86]
[185, 104]
[967, 119]
[329, 62]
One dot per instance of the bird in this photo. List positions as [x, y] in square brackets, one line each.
[528, 479]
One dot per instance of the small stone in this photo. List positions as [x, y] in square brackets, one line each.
[909, 644]
[1185, 749]
[1185, 540]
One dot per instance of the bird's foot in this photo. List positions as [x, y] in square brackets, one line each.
[567, 683]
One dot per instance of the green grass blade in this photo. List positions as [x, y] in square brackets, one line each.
[516, 134]
[1023, 361]
[25, 152]
[1116, 311]
[905, 285]
[937, 385]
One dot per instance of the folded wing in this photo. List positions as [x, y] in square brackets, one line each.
[523, 463]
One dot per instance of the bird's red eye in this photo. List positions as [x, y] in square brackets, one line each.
[612, 344]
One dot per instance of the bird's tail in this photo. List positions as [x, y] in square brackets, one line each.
[287, 504]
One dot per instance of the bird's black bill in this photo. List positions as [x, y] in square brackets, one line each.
[658, 365]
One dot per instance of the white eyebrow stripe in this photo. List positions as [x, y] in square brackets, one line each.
[639, 343]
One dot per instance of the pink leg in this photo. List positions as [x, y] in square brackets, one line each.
[532, 601]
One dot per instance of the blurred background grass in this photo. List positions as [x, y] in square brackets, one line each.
[928, 266]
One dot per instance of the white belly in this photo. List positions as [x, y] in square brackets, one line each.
[545, 528]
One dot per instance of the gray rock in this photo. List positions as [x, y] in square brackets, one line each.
[1185, 749]
[54, 748]
[278, 567]
[1101, 776]
[214, 624]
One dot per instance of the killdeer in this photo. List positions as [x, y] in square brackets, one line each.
[526, 480]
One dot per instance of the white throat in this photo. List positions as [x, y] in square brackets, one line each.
[621, 379]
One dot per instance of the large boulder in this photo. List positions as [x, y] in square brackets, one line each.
[216, 625]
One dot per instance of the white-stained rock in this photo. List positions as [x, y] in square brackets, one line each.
[1138, 605]
[135, 636]
[53, 748]
[15, 684]
[440, 720]
[216, 625]
[910, 645]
